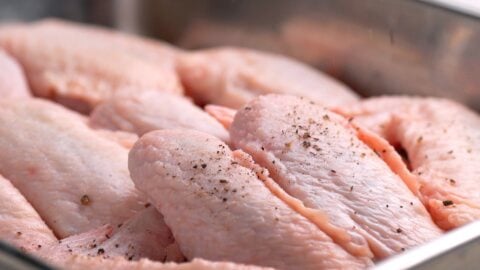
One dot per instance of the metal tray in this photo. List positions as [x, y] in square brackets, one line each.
[375, 46]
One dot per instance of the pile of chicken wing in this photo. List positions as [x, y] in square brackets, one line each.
[119, 152]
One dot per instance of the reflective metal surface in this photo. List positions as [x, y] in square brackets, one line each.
[13, 259]
[459, 249]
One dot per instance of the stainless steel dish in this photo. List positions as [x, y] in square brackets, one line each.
[376, 46]
[459, 249]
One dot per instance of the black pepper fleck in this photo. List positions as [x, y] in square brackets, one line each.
[447, 203]
[306, 144]
[85, 200]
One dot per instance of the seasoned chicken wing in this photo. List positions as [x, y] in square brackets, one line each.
[442, 141]
[219, 209]
[316, 157]
[75, 179]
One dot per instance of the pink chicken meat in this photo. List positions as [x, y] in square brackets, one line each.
[76, 179]
[218, 209]
[79, 67]
[442, 141]
[316, 157]
[145, 235]
[233, 76]
[95, 263]
[154, 51]
[20, 224]
[12, 79]
[141, 112]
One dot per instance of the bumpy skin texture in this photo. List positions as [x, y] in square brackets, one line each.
[81, 66]
[442, 140]
[12, 80]
[145, 235]
[233, 76]
[55, 159]
[83, 262]
[219, 210]
[316, 157]
[141, 112]
[20, 224]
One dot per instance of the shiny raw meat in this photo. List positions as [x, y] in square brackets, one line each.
[316, 157]
[442, 141]
[145, 235]
[218, 209]
[81, 67]
[233, 76]
[20, 224]
[94, 263]
[141, 112]
[154, 51]
[223, 115]
[75, 179]
[125, 139]
[12, 79]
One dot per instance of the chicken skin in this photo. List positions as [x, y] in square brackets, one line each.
[80, 67]
[316, 157]
[141, 112]
[75, 179]
[12, 80]
[219, 209]
[442, 141]
[232, 76]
